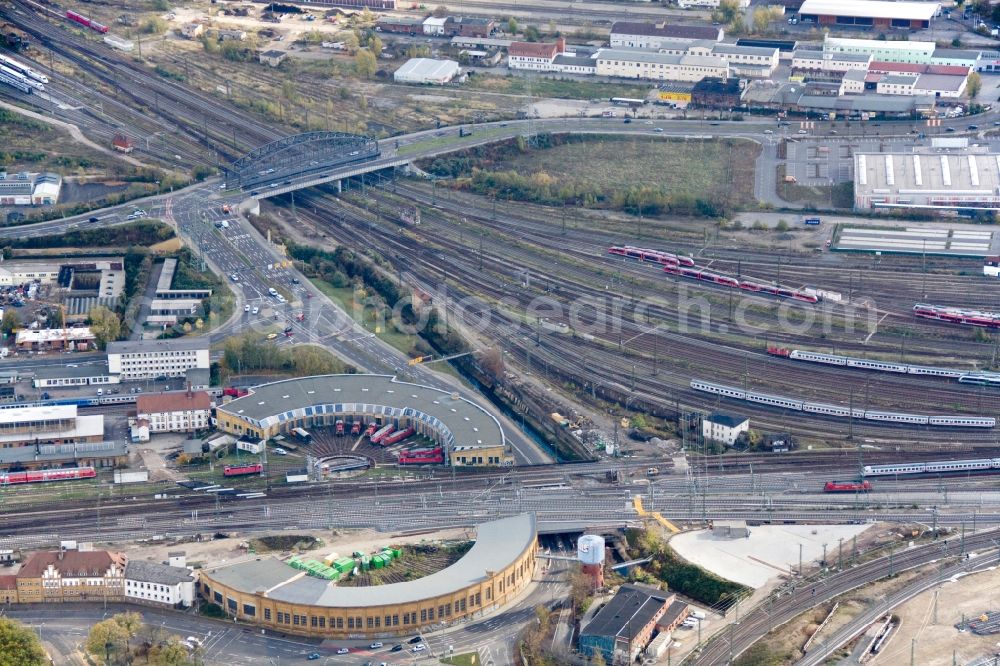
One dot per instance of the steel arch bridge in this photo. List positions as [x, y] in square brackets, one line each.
[300, 154]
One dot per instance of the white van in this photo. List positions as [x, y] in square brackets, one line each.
[100, 391]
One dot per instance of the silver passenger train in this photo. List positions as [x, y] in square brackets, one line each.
[936, 467]
[963, 376]
[953, 421]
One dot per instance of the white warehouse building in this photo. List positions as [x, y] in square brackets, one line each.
[428, 71]
[945, 181]
[635, 64]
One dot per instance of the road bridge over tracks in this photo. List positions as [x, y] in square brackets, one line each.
[305, 160]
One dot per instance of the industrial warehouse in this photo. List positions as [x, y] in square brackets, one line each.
[276, 594]
[880, 14]
[945, 181]
[469, 435]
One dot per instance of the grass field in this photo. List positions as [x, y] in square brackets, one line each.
[600, 168]
[560, 88]
[22, 137]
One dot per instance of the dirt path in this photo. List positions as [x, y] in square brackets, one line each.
[74, 132]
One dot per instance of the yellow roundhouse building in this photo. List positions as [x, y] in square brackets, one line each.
[270, 593]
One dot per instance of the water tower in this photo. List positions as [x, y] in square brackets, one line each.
[590, 552]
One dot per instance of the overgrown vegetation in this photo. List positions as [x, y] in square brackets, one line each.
[680, 575]
[248, 353]
[283, 542]
[124, 639]
[708, 179]
[140, 234]
[343, 268]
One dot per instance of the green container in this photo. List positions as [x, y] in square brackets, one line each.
[378, 562]
[397, 553]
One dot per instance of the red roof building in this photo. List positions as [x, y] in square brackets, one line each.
[534, 55]
[177, 411]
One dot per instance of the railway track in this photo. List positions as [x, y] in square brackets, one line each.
[181, 106]
[504, 261]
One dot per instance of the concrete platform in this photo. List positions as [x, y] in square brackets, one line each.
[771, 551]
[950, 240]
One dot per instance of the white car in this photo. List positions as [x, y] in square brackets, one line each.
[246, 308]
[376, 645]
[256, 309]
[281, 452]
[419, 647]
[234, 277]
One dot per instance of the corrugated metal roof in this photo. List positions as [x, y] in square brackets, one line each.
[913, 11]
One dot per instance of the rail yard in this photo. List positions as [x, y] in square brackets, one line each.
[500, 405]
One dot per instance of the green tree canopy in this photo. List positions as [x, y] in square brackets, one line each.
[105, 325]
[19, 645]
[10, 321]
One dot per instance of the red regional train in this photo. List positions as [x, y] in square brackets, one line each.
[43, 475]
[652, 256]
[425, 456]
[958, 315]
[90, 23]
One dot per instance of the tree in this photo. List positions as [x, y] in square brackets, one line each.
[440, 11]
[974, 85]
[10, 322]
[531, 33]
[105, 325]
[598, 659]
[761, 19]
[375, 45]
[365, 64]
[727, 11]
[288, 90]
[350, 40]
[57, 318]
[19, 645]
[170, 653]
[512, 26]
[105, 639]
[153, 26]
[130, 624]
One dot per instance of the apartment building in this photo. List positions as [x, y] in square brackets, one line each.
[148, 359]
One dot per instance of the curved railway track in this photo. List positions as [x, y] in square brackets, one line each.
[604, 368]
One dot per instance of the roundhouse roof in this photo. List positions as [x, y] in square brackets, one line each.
[498, 545]
[274, 403]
